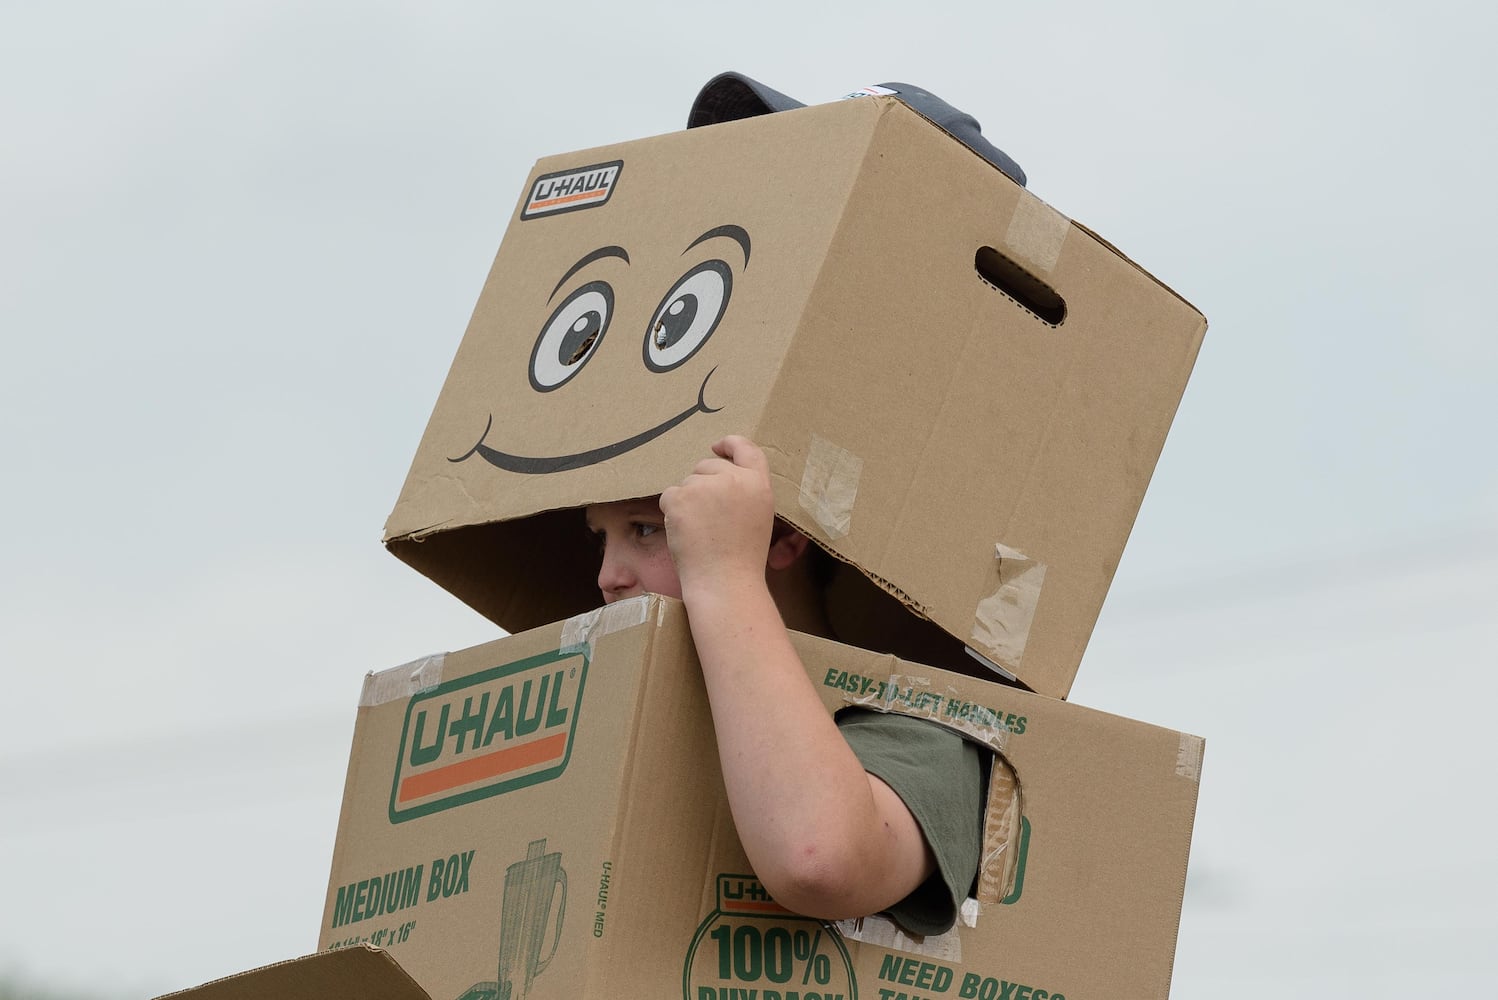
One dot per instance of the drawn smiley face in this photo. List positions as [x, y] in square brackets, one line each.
[687, 316]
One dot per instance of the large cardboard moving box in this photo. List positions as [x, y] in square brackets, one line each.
[544, 817]
[961, 392]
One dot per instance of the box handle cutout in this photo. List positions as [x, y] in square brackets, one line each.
[1026, 290]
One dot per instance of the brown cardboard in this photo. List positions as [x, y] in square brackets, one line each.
[362, 972]
[596, 851]
[980, 460]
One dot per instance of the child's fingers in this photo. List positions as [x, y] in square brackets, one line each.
[711, 467]
[742, 452]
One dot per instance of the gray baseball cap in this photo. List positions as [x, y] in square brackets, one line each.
[730, 96]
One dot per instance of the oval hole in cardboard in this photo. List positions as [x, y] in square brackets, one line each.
[1031, 293]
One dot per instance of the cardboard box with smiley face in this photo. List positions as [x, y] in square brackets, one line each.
[961, 392]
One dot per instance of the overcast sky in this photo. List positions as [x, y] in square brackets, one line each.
[239, 243]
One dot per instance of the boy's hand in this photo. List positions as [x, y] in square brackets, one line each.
[719, 520]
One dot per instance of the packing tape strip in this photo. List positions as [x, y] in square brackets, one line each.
[583, 630]
[829, 485]
[917, 697]
[402, 682]
[1189, 757]
[1036, 233]
[1001, 621]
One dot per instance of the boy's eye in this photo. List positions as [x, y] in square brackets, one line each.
[646, 530]
[688, 315]
[571, 336]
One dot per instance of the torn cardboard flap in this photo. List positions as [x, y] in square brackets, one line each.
[1000, 875]
[363, 972]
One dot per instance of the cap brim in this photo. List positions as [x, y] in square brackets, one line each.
[729, 97]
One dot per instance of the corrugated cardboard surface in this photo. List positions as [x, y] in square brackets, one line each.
[921, 423]
[618, 873]
[362, 972]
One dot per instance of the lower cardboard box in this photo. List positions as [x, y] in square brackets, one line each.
[544, 817]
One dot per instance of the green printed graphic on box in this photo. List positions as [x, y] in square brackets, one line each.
[488, 733]
[920, 979]
[533, 907]
[1019, 864]
[751, 946]
[937, 706]
[397, 890]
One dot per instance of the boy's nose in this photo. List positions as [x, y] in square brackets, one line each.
[615, 578]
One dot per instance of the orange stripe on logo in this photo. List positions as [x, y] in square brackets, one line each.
[490, 765]
[745, 904]
[581, 195]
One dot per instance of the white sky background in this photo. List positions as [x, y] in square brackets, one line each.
[239, 243]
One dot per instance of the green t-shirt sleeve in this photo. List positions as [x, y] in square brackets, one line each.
[939, 777]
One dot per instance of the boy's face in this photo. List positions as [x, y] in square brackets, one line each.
[636, 559]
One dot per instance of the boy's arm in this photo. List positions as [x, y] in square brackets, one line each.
[827, 839]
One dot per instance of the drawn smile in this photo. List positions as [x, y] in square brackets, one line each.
[541, 465]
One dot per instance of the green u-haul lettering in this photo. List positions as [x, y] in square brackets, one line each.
[477, 726]
[372, 897]
[487, 733]
[984, 715]
[975, 987]
[743, 889]
[913, 972]
[425, 755]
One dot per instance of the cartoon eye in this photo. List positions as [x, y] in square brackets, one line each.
[571, 335]
[688, 315]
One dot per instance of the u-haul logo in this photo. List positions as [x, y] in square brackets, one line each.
[570, 190]
[488, 733]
